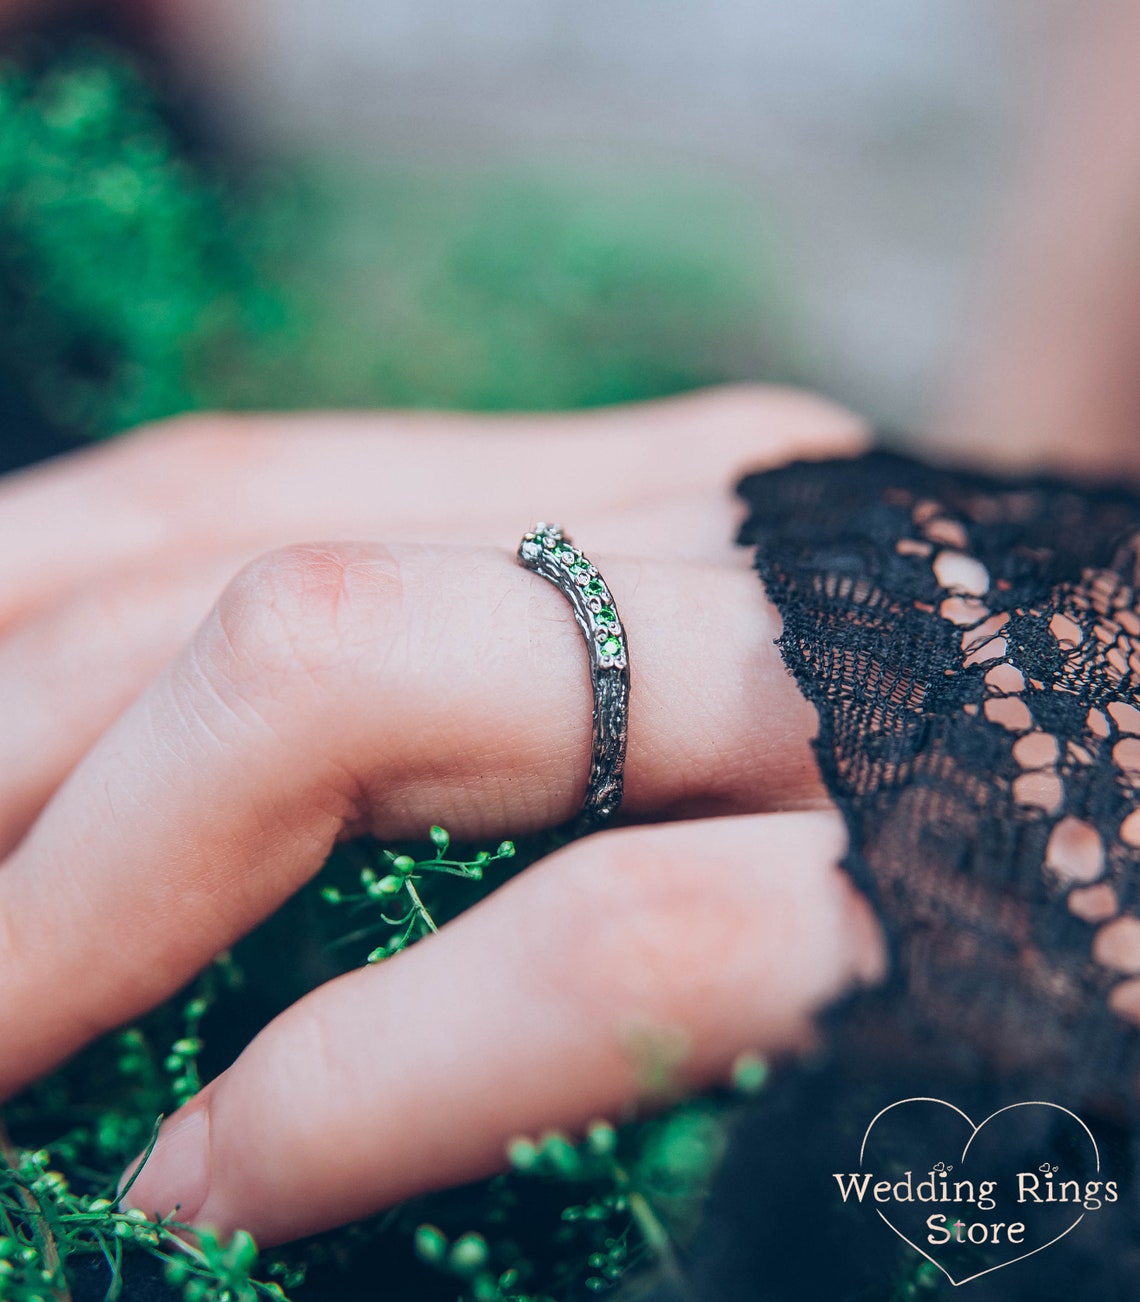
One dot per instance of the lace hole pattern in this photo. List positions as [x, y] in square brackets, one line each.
[972, 648]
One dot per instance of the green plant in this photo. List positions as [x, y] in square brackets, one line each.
[59, 1202]
[139, 278]
[564, 1217]
[400, 883]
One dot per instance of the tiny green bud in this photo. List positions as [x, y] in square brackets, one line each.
[367, 876]
[558, 1152]
[135, 1215]
[241, 1252]
[187, 1047]
[172, 1062]
[596, 1285]
[522, 1154]
[439, 838]
[468, 1254]
[403, 863]
[378, 955]
[508, 1279]
[330, 894]
[485, 1288]
[506, 849]
[176, 1271]
[601, 1139]
[430, 1243]
[749, 1073]
[197, 1008]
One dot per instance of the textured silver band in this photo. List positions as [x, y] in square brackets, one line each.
[547, 551]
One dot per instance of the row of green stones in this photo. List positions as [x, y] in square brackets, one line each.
[598, 597]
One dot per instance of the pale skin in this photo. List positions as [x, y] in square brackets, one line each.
[204, 693]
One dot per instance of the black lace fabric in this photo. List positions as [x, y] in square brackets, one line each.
[972, 648]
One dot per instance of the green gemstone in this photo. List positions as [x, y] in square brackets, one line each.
[607, 615]
[611, 646]
[580, 567]
[595, 588]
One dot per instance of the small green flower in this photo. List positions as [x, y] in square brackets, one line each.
[430, 1243]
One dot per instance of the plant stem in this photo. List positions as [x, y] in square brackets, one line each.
[655, 1234]
[420, 907]
[42, 1230]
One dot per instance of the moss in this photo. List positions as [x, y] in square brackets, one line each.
[138, 280]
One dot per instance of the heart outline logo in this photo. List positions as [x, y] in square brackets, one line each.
[974, 1131]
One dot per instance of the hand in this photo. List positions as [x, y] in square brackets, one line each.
[172, 780]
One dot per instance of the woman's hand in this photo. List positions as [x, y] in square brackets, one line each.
[172, 779]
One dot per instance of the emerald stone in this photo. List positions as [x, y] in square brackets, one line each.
[611, 646]
[607, 615]
[595, 588]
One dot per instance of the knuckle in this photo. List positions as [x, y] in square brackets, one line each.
[192, 441]
[204, 436]
[306, 610]
[746, 407]
[186, 465]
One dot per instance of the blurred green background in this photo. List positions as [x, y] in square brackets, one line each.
[144, 274]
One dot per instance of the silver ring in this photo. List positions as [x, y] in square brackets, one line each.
[547, 551]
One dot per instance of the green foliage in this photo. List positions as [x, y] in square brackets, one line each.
[125, 293]
[59, 1202]
[399, 885]
[138, 281]
[565, 1216]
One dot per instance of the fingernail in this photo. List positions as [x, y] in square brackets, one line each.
[177, 1171]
